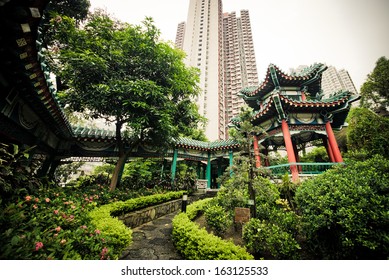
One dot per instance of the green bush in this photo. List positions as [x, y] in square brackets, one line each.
[345, 211]
[266, 239]
[274, 211]
[217, 219]
[196, 244]
[16, 169]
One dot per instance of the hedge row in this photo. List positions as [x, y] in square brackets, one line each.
[105, 217]
[197, 244]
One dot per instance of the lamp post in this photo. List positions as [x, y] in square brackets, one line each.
[184, 203]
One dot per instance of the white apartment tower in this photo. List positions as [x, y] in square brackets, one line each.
[202, 44]
[180, 35]
[240, 68]
[334, 80]
[221, 46]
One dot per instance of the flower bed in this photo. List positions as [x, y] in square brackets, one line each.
[197, 244]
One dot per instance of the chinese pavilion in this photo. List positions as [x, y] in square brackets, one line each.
[291, 111]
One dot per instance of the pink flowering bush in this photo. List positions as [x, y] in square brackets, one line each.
[53, 223]
[47, 228]
[40, 220]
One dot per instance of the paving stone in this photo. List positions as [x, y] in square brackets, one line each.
[152, 241]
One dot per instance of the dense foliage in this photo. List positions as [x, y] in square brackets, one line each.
[16, 169]
[128, 76]
[53, 224]
[368, 132]
[76, 9]
[141, 174]
[64, 223]
[275, 222]
[375, 91]
[345, 211]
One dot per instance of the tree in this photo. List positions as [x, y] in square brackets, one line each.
[375, 91]
[368, 131]
[76, 9]
[244, 135]
[126, 75]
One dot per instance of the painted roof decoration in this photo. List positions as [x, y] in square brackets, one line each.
[307, 80]
[22, 50]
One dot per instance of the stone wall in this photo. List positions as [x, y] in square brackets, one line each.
[142, 216]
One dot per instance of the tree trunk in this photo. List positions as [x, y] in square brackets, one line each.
[117, 172]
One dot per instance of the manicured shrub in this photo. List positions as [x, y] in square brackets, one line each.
[217, 219]
[105, 219]
[266, 239]
[196, 244]
[345, 211]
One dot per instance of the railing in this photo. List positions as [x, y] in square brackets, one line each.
[311, 168]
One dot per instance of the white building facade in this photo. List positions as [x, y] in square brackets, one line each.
[203, 43]
[240, 68]
[221, 46]
[334, 81]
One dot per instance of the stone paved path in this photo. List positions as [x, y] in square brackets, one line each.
[152, 241]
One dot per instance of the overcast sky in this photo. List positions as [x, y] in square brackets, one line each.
[349, 34]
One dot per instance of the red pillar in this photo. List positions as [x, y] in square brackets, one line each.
[333, 144]
[256, 153]
[290, 151]
[328, 149]
[303, 97]
[296, 154]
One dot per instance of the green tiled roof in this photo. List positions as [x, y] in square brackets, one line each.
[88, 133]
[206, 146]
[95, 133]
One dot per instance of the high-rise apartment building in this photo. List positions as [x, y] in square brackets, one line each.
[180, 35]
[240, 69]
[203, 45]
[334, 80]
[221, 46]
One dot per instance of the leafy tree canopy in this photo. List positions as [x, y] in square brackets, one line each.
[125, 74]
[375, 91]
[76, 9]
[368, 131]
